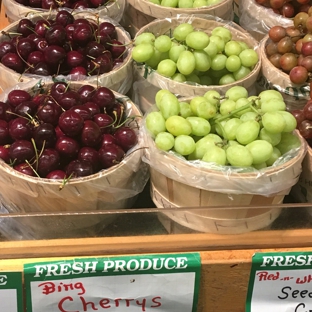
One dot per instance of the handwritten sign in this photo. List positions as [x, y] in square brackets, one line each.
[159, 283]
[280, 282]
[11, 291]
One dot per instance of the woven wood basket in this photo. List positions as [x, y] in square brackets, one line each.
[113, 188]
[176, 183]
[164, 26]
[257, 19]
[119, 79]
[140, 12]
[295, 96]
[14, 10]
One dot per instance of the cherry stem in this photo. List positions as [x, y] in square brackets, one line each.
[65, 181]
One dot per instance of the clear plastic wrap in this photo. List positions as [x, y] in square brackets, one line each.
[257, 19]
[119, 79]
[113, 9]
[200, 22]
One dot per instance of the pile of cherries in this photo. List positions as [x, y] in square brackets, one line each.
[286, 8]
[62, 45]
[59, 132]
[73, 4]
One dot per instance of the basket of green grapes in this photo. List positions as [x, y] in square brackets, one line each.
[222, 150]
[191, 54]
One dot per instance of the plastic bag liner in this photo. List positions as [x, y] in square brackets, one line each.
[200, 22]
[257, 19]
[108, 189]
[118, 79]
[295, 96]
[271, 181]
[113, 9]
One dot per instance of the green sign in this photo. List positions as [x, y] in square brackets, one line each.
[280, 282]
[160, 283]
[11, 292]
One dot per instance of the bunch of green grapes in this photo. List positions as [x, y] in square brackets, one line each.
[185, 4]
[191, 55]
[235, 129]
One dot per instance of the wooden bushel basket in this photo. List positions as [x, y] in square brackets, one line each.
[14, 10]
[119, 79]
[112, 188]
[164, 26]
[295, 96]
[174, 185]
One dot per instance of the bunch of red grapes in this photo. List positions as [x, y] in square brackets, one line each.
[286, 8]
[62, 45]
[290, 48]
[59, 132]
[72, 4]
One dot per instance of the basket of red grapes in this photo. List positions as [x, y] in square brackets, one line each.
[76, 45]
[69, 146]
[17, 9]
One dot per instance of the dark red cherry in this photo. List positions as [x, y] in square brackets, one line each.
[80, 5]
[44, 135]
[41, 69]
[55, 35]
[86, 92]
[16, 97]
[117, 48]
[110, 155]
[109, 29]
[20, 129]
[35, 3]
[25, 168]
[48, 161]
[77, 72]
[104, 63]
[64, 17]
[91, 134]
[67, 147]
[79, 168]
[69, 99]
[83, 111]
[6, 47]
[104, 97]
[35, 57]
[49, 4]
[4, 132]
[71, 123]
[25, 27]
[13, 61]
[56, 175]
[4, 153]
[41, 27]
[54, 55]
[83, 34]
[94, 49]
[41, 44]
[74, 58]
[91, 155]
[104, 121]
[126, 137]
[58, 88]
[49, 112]
[24, 47]
[5, 110]
[26, 109]
[21, 150]
[108, 138]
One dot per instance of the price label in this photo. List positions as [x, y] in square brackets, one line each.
[280, 282]
[159, 283]
[11, 291]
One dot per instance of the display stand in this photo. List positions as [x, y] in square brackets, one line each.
[225, 259]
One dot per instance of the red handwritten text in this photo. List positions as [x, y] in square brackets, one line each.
[265, 276]
[50, 287]
[306, 279]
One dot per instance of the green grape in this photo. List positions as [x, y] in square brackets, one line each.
[226, 79]
[206, 110]
[175, 52]
[184, 145]
[231, 143]
[197, 40]
[241, 73]
[167, 68]
[178, 77]
[249, 116]
[241, 103]
[255, 100]
[185, 110]
[226, 107]
[213, 97]
[213, 2]
[232, 48]
[272, 105]
[273, 122]
[142, 52]
[217, 74]
[192, 78]
[169, 105]
[203, 145]
[155, 1]
[181, 31]
[260, 166]
[223, 32]
[159, 96]
[270, 94]
[243, 44]
[163, 43]
[219, 127]
[260, 150]
[205, 80]
[249, 57]
[288, 141]
[155, 59]
[195, 101]
[218, 41]
[233, 63]
[247, 132]
[239, 156]
[186, 63]
[216, 155]
[276, 154]
[236, 92]
[169, 3]
[272, 138]
[199, 3]
[218, 62]
[178, 125]
[185, 4]
[211, 49]
[155, 123]
[145, 37]
[202, 60]
[164, 141]
[230, 128]
[291, 122]
[200, 126]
